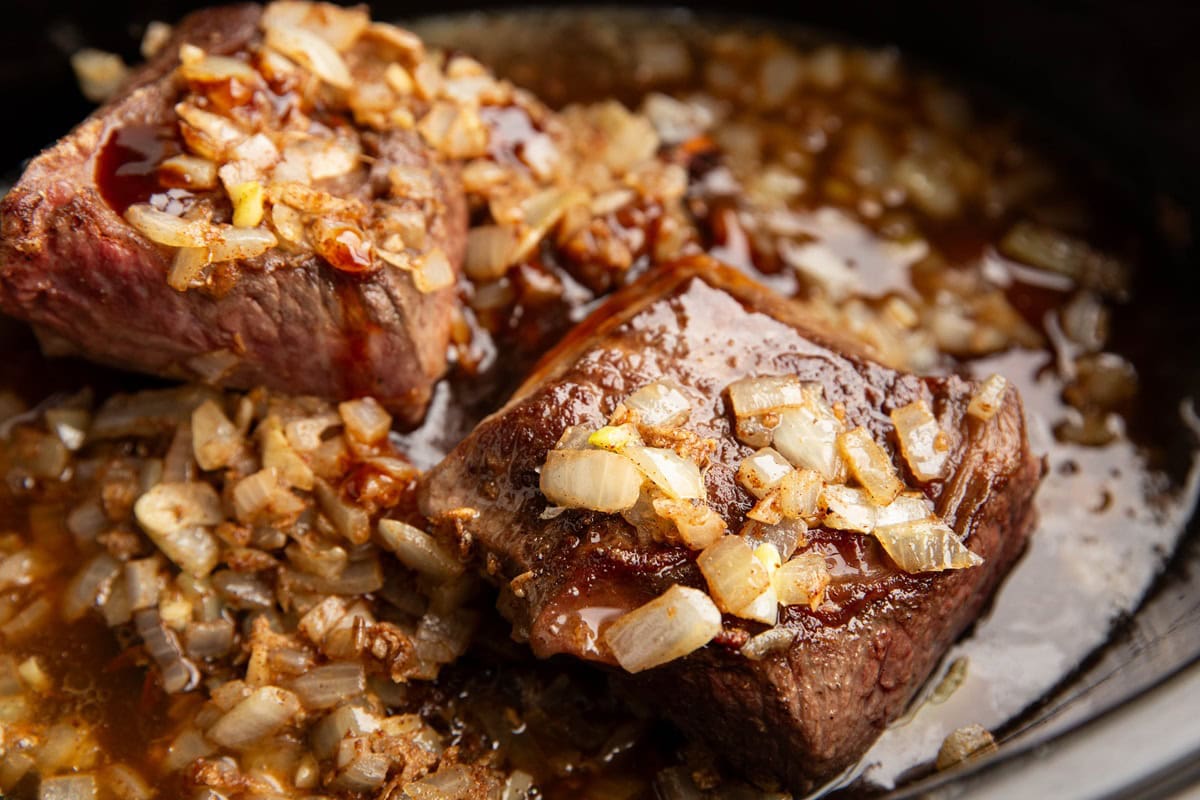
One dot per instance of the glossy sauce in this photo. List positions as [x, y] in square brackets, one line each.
[127, 166]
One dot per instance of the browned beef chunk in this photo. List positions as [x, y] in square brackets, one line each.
[72, 266]
[801, 714]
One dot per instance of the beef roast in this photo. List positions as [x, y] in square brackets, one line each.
[72, 266]
[803, 713]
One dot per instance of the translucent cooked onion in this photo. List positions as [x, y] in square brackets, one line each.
[802, 580]
[763, 471]
[660, 405]
[340, 27]
[785, 536]
[753, 397]
[419, 551]
[592, 479]
[216, 442]
[764, 608]
[247, 199]
[68, 787]
[264, 711]
[675, 475]
[871, 465]
[490, 251]
[696, 524]
[90, 586]
[177, 673]
[187, 268]
[734, 576]
[922, 443]
[674, 624]
[311, 52]
[847, 509]
[807, 436]
[277, 454]
[209, 638]
[365, 419]
[235, 244]
[210, 69]
[988, 398]
[325, 687]
[350, 520]
[908, 507]
[433, 271]
[798, 494]
[163, 228]
[926, 545]
[772, 640]
[176, 516]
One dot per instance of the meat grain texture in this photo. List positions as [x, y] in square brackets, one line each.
[73, 267]
[798, 716]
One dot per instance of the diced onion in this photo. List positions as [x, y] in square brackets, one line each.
[210, 69]
[419, 551]
[215, 440]
[764, 608]
[187, 268]
[922, 443]
[675, 475]
[674, 624]
[311, 52]
[847, 509]
[988, 398]
[264, 711]
[89, 586]
[772, 640]
[350, 520]
[798, 494]
[247, 199]
[100, 74]
[807, 437]
[696, 524]
[871, 465]
[163, 228]
[490, 250]
[926, 545]
[734, 576]
[660, 405]
[433, 271]
[753, 397]
[235, 244]
[802, 580]
[178, 674]
[325, 687]
[592, 479]
[785, 536]
[175, 516]
[338, 26]
[763, 471]
[908, 507]
[365, 419]
[68, 787]
[969, 741]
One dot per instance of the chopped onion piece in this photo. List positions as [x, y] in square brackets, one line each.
[263, 493]
[325, 687]
[674, 624]
[187, 268]
[785, 536]
[871, 465]
[802, 580]
[675, 475]
[926, 545]
[163, 228]
[847, 509]
[615, 438]
[592, 479]
[763, 471]
[735, 577]
[418, 550]
[908, 507]
[490, 251]
[235, 244]
[175, 516]
[660, 405]
[210, 69]
[177, 673]
[365, 419]
[922, 443]
[68, 787]
[696, 524]
[807, 436]
[215, 440]
[89, 586]
[988, 398]
[799, 493]
[764, 608]
[265, 711]
[247, 199]
[753, 397]
[433, 271]
[311, 52]
[350, 520]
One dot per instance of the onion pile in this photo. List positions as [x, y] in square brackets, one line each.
[256, 552]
